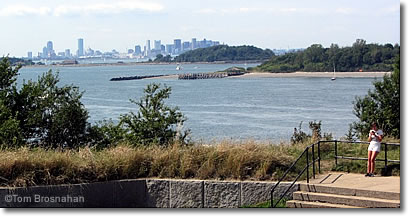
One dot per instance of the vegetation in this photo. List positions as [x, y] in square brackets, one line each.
[42, 114]
[161, 58]
[299, 136]
[155, 122]
[40, 111]
[316, 58]
[225, 53]
[18, 61]
[381, 105]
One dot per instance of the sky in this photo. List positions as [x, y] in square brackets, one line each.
[104, 25]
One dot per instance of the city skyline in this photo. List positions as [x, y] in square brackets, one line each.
[124, 23]
[178, 47]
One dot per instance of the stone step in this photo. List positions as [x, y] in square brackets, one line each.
[359, 201]
[306, 204]
[322, 188]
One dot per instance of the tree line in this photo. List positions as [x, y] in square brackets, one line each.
[359, 57]
[225, 53]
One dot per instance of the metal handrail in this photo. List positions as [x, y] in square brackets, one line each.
[385, 160]
[306, 168]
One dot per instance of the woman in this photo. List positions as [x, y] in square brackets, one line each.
[375, 137]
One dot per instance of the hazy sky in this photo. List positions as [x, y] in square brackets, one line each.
[27, 25]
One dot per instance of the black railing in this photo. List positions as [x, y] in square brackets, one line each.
[306, 168]
[385, 160]
[318, 159]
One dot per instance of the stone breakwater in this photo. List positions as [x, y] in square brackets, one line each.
[216, 75]
[135, 77]
[156, 193]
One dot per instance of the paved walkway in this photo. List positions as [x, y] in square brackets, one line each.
[358, 181]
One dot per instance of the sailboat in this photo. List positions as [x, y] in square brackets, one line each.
[178, 67]
[334, 73]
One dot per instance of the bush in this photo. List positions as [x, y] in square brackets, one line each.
[155, 122]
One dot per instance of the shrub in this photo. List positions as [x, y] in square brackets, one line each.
[155, 122]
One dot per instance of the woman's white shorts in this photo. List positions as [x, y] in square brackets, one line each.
[374, 146]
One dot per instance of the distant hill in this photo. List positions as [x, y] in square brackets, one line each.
[360, 56]
[16, 61]
[225, 53]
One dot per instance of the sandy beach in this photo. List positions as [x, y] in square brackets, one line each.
[312, 74]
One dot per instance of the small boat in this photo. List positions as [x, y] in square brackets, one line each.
[334, 73]
[178, 67]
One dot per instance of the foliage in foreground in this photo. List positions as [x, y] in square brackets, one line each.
[43, 114]
[246, 160]
[39, 111]
[382, 105]
[226, 160]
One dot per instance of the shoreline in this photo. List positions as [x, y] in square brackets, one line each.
[312, 74]
[297, 74]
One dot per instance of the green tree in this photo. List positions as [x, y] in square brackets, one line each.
[155, 122]
[55, 115]
[381, 105]
[10, 132]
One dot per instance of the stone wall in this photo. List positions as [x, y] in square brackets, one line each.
[159, 193]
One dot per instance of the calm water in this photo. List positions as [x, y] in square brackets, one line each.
[237, 108]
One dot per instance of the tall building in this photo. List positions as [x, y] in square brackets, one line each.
[170, 48]
[138, 50]
[194, 43]
[30, 55]
[68, 53]
[177, 46]
[186, 46]
[50, 48]
[45, 52]
[80, 47]
[147, 48]
[157, 44]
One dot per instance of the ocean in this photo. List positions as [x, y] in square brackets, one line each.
[265, 109]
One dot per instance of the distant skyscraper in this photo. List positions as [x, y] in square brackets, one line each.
[45, 52]
[177, 46]
[170, 48]
[30, 55]
[186, 45]
[68, 53]
[157, 44]
[80, 47]
[147, 47]
[50, 48]
[162, 48]
[193, 43]
[138, 50]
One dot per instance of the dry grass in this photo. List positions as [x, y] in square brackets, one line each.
[245, 160]
[224, 160]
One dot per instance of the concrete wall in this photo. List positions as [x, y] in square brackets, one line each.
[160, 193]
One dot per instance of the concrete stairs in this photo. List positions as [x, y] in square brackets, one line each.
[324, 193]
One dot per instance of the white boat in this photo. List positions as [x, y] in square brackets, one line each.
[334, 73]
[178, 68]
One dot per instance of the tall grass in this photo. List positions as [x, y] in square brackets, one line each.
[245, 160]
[224, 160]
